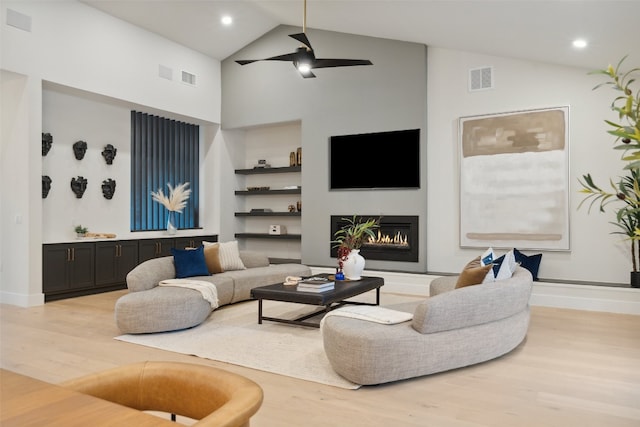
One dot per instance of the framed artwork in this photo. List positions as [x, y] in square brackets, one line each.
[514, 180]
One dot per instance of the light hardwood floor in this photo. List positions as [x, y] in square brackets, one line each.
[575, 368]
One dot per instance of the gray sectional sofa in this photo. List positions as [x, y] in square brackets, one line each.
[151, 308]
[451, 329]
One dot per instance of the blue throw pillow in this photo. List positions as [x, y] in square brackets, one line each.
[189, 262]
[531, 263]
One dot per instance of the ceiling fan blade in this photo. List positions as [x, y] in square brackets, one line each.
[302, 38]
[328, 63]
[286, 57]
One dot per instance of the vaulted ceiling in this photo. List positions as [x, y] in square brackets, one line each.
[538, 30]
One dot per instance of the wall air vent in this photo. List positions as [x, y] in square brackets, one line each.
[18, 20]
[480, 79]
[188, 78]
[165, 72]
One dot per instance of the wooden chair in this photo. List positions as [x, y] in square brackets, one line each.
[213, 396]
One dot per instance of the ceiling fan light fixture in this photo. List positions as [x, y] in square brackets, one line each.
[304, 67]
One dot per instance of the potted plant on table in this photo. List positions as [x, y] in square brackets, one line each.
[81, 231]
[349, 239]
[626, 192]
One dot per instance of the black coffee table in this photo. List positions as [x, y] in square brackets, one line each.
[330, 300]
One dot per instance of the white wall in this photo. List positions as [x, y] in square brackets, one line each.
[595, 255]
[73, 45]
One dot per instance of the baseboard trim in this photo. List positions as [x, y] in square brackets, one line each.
[559, 295]
[21, 300]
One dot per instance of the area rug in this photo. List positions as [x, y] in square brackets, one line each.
[232, 335]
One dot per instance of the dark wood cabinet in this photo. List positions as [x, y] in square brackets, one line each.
[192, 242]
[67, 267]
[114, 260]
[154, 248]
[83, 268]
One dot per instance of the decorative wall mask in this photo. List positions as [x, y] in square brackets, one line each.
[46, 185]
[78, 186]
[79, 149]
[108, 188]
[109, 153]
[47, 140]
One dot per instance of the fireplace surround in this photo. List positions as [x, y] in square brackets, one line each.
[396, 239]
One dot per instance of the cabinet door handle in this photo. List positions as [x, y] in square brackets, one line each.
[68, 254]
[73, 254]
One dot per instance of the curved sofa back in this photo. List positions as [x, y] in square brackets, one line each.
[149, 273]
[474, 305]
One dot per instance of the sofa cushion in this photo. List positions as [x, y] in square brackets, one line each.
[504, 266]
[212, 258]
[189, 262]
[473, 273]
[160, 309]
[245, 280]
[229, 255]
[531, 262]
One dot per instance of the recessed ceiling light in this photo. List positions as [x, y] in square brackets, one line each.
[579, 43]
[226, 20]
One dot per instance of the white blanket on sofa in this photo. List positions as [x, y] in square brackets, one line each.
[208, 290]
[370, 313]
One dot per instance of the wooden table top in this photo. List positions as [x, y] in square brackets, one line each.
[26, 401]
[343, 289]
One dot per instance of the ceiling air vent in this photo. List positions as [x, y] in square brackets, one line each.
[188, 78]
[480, 79]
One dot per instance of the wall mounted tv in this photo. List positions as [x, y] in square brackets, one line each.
[382, 160]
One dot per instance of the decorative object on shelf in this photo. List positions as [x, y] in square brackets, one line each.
[299, 156]
[108, 188]
[349, 239]
[47, 140]
[78, 186]
[46, 185]
[292, 159]
[276, 229]
[109, 153]
[258, 188]
[261, 210]
[292, 208]
[299, 205]
[79, 149]
[262, 164]
[174, 202]
[81, 231]
[627, 190]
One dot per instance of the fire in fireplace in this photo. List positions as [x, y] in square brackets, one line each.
[396, 239]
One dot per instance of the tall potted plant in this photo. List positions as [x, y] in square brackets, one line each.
[625, 193]
[349, 239]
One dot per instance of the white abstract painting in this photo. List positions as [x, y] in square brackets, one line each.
[514, 180]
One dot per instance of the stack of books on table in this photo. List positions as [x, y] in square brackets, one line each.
[315, 284]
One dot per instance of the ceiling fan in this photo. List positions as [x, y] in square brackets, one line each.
[304, 59]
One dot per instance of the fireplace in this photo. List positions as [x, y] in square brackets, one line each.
[396, 239]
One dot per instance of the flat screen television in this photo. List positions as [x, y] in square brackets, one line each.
[382, 160]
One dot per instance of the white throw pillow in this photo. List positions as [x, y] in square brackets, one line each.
[507, 267]
[230, 256]
[485, 259]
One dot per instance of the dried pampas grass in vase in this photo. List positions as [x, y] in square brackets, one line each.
[176, 201]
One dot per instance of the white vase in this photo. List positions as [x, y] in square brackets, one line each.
[353, 265]
[171, 223]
